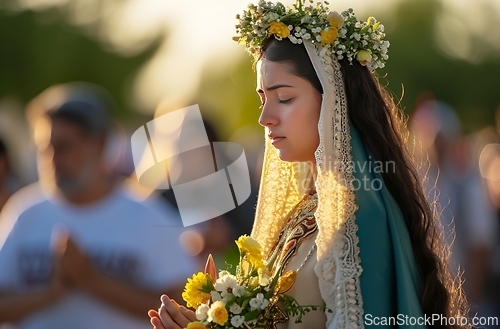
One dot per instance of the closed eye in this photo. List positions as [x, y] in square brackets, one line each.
[284, 101]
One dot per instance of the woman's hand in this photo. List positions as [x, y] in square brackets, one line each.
[170, 315]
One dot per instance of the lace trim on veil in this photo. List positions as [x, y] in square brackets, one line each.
[338, 265]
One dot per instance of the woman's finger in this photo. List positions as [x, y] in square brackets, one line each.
[155, 319]
[153, 314]
[175, 313]
[188, 314]
[166, 319]
[156, 323]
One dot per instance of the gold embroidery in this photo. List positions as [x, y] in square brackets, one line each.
[300, 226]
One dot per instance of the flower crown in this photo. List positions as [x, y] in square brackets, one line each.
[341, 35]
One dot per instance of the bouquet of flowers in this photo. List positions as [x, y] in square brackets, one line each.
[247, 299]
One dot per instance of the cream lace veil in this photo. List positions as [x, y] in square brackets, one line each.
[338, 265]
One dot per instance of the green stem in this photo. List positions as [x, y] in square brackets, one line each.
[298, 5]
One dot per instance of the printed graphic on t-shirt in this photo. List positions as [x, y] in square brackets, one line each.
[36, 265]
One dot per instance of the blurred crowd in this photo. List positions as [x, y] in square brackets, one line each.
[84, 245]
[461, 174]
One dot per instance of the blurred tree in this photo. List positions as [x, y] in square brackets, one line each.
[417, 62]
[230, 94]
[39, 49]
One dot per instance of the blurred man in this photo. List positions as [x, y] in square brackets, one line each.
[79, 252]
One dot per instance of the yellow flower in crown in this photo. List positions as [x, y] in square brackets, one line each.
[328, 37]
[371, 20]
[194, 292]
[364, 57]
[218, 313]
[251, 249]
[279, 28]
[196, 325]
[335, 19]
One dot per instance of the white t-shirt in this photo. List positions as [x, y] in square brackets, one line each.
[123, 237]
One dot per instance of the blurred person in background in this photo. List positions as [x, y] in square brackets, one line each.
[487, 146]
[76, 251]
[5, 173]
[454, 181]
[215, 236]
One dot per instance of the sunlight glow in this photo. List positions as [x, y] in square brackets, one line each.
[198, 31]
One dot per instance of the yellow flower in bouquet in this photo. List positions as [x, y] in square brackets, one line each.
[251, 249]
[264, 274]
[218, 313]
[194, 292]
[196, 325]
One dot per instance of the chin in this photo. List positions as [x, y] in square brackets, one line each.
[287, 156]
[291, 157]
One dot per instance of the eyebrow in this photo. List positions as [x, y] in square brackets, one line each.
[274, 87]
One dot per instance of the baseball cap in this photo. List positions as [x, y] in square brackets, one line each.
[85, 104]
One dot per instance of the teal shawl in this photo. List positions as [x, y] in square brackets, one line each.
[390, 282]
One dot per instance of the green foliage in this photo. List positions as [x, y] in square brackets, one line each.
[39, 50]
[293, 308]
[417, 63]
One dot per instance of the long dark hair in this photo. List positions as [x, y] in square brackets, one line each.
[382, 128]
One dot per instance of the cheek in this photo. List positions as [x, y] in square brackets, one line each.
[308, 119]
[311, 140]
[305, 127]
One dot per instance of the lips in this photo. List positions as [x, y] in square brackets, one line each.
[275, 138]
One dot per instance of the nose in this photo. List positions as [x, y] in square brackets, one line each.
[268, 116]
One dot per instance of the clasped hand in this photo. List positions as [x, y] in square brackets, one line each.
[171, 315]
[72, 268]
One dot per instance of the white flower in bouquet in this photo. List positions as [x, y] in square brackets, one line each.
[235, 309]
[237, 320]
[215, 296]
[226, 283]
[202, 312]
[259, 302]
[239, 291]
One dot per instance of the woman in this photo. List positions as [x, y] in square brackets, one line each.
[339, 201]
